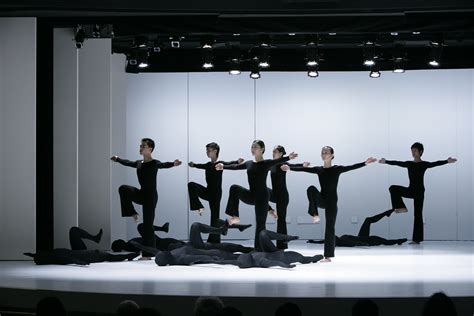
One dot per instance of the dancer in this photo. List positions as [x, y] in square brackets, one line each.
[213, 192]
[271, 256]
[327, 198]
[364, 238]
[257, 172]
[160, 243]
[77, 236]
[147, 195]
[279, 194]
[416, 187]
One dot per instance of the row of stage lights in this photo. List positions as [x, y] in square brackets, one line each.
[140, 54]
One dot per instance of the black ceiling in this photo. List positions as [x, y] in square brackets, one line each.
[353, 23]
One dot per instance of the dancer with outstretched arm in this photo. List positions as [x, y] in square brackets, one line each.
[327, 199]
[257, 194]
[213, 192]
[416, 187]
[147, 195]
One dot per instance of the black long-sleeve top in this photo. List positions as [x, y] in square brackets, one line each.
[146, 171]
[213, 176]
[416, 171]
[257, 172]
[328, 177]
[278, 178]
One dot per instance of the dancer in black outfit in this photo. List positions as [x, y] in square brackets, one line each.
[78, 254]
[279, 194]
[160, 243]
[416, 187]
[364, 238]
[327, 198]
[257, 172]
[147, 195]
[271, 256]
[213, 192]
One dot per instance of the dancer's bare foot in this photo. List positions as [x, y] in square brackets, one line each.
[316, 219]
[145, 258]
[233, 220]
[414, 243]
[200, 211]
[326, 259]
[273, 213]
[136, 218]
[401, 210]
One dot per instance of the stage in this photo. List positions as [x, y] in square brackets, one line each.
[384, 272]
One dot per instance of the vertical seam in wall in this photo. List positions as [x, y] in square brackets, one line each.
[187, 151]
[456, 167]
[388, 152]
[255, 109]
[77, 137]
[110, 147]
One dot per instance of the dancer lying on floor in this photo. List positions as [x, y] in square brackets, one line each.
[161, 243]
[78, 254]
[364, 238]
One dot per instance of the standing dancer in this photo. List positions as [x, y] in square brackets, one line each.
[147, 195]
[327, 198]
[416, 187]
[257, 172]
[213, 191]
[279, 194]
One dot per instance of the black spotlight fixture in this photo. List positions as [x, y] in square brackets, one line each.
[79, 36]
[141, 41]
[144, 59]
[435, 54]
[370, 53]
[132, 57]
[312, 55]
[399, 59]
[207, 58]
[157, 46]
[96, 31]
[235, 61]
[313, 72]
[264, 58]
[375, 72]
[255, 72]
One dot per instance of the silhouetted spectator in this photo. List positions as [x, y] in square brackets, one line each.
[50, 306]
[288, 309]
[208, 306]
[439, 304]
[229, 311]
[127, 308]
[365, 307]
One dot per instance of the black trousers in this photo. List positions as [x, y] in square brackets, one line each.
[397, 193]
[196, 191]
[259, 199]
[195, 239]
[76, 236]
[316, 200]
[281, 199]
[130, 195]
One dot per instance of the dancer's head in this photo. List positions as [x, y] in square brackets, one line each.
[118, 245]
[278, 151]
[327, 153]
[126, 308]
[439, 304]
[164, 258]
[147, 146]
[258, 148]
[50, 306]
[417, 150]
[212, 150]
[245, 261]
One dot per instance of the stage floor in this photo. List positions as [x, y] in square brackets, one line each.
[376, 272]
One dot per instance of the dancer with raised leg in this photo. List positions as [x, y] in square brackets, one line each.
[213, 192]
[147, 195]
[416, 187]
[257, 194]
[327, 199]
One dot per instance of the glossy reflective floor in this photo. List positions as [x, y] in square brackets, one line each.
[384, 271]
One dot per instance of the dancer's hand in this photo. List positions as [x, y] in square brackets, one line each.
[240, 160]
[114, 158]
[370, 160]
[177, 162]
[293, 155]
[382, 160]
[285, 167]
[191, 164]
[220, 167]
[452, 160]
[306, 164]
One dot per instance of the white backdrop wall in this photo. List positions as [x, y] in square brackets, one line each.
[17, 137]
[357, 115]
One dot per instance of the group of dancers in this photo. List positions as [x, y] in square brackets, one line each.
[168, 251]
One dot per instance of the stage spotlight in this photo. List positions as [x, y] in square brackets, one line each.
[132, 58]
[312, 56]
[144, 63]
[175, 41]
[370, 54]
[436, 50]
[157, 45]
[255, 73]
[399, 65]
[207, 58]
[235, 61]
[141, 41]
[207, 42]
[375, 73]
[313, 73]
[79, 36]
[263, 58]
[96, 31]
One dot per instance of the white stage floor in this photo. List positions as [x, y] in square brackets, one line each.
[384, 271]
